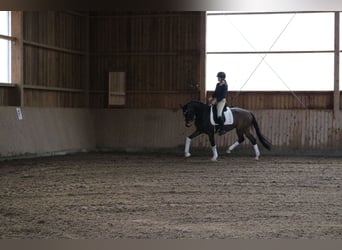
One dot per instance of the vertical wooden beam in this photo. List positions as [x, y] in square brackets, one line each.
[18, 53]
[87, 60]
[202, 56]
[337, 65]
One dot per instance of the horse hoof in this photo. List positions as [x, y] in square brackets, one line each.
[228, 151]
[257, 158]
[214, 159]
[187, 155]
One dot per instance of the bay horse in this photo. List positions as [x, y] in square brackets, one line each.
[199, 113]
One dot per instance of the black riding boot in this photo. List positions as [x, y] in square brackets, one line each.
[221, 124]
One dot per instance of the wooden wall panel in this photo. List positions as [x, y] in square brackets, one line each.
[152, 99]
[147, 99]
[55, 28]
[98, 99]
[280, 100]
[52, 68]
[160, 53]
[145, 32]
[9, 96]
[48, 98]
[147, 72]
[54, 59]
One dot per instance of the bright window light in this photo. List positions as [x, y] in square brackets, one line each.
[282, 72]
[302, 55]
[5, 47]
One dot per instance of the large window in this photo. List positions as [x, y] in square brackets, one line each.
[286, 51]
[5, 47]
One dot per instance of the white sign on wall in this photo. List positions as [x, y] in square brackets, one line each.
[20, 115]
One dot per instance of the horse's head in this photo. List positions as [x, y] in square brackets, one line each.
[189, 114]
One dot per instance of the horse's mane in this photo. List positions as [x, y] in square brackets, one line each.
[197, 102]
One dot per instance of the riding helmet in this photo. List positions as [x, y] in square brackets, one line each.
[221, 75]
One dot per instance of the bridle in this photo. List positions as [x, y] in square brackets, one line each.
[189, 117]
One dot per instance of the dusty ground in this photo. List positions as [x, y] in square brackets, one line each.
[167, 197]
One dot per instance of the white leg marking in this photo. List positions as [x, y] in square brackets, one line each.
[215, 155]
[257, 152]
[231, 148]
[187, 147]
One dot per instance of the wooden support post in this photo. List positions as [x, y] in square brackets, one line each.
[87, 61]
[202, 86]
[337, 66]
[18, 54]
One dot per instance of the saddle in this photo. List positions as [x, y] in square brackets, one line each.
[227, 115]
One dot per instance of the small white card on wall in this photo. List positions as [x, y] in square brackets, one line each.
[20, 115]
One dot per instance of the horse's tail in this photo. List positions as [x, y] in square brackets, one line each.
[262, 138]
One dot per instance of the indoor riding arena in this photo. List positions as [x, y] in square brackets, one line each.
[93, 142]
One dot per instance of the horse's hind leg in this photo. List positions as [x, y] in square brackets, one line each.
[237, 143]
[253, 141]
[213, 146]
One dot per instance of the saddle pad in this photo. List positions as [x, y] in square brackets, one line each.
[228, 115]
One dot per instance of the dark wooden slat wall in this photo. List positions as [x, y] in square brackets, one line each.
[160, 53]
[50, 98]
[280, 100]
[59, 29]
[52, 69]
[53, 58]
[9, 96]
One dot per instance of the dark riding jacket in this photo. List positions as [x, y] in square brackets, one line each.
[220, 91]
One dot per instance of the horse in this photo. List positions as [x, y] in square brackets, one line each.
[199, 113]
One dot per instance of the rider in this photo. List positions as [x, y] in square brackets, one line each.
[219, 98]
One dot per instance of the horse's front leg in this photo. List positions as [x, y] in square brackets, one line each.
[213, 146]
[188, 141]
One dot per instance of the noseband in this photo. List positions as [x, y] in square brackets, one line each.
[189, 117]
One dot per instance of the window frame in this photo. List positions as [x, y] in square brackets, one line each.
[10, 40]
[332, 51]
